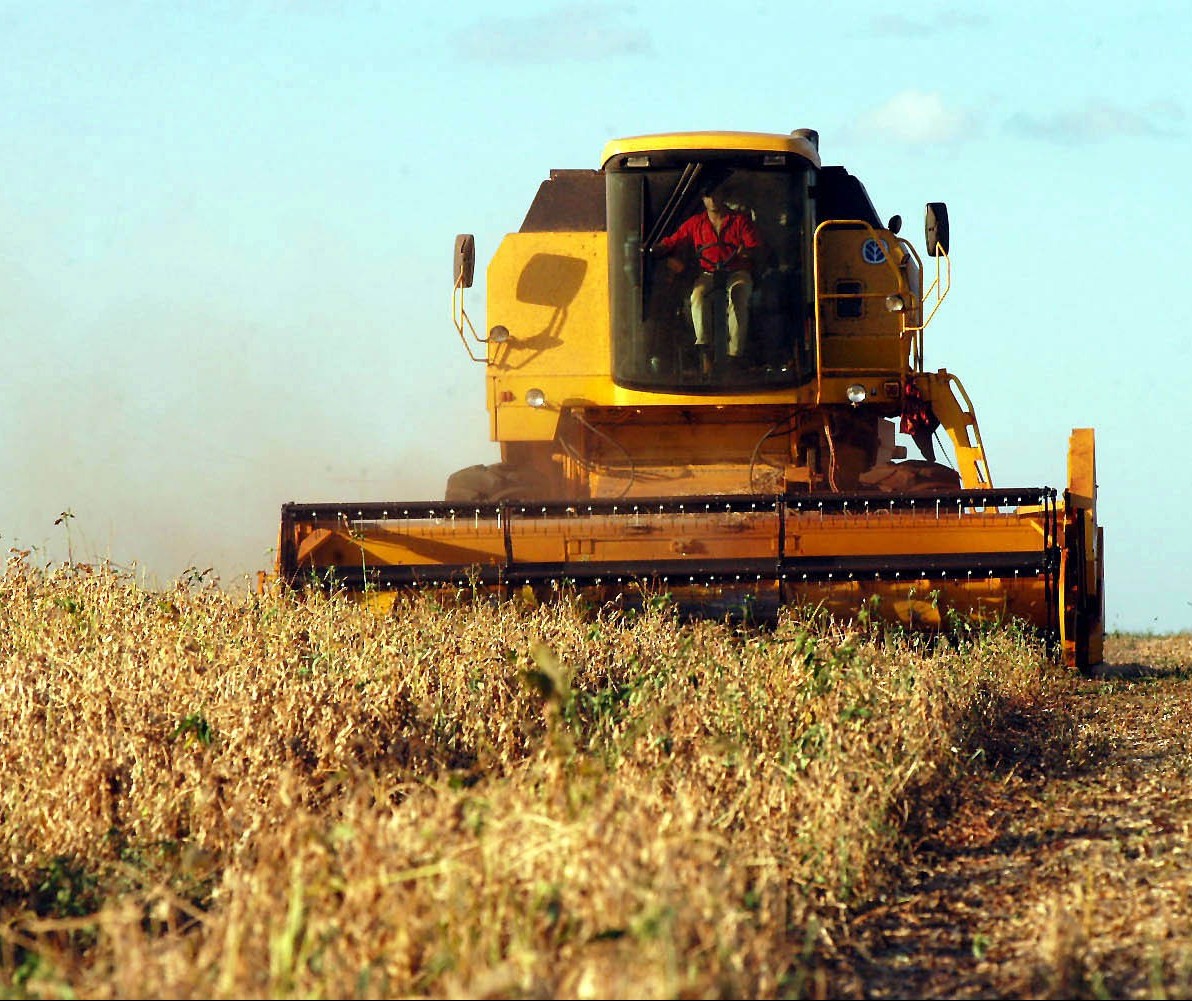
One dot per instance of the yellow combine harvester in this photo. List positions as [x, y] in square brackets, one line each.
[699, 360]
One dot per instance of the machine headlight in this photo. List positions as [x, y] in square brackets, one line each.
[498, 334]
[855, 393]
[535, 398]
[895, 303]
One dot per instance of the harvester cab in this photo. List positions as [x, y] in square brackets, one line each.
[699, 359]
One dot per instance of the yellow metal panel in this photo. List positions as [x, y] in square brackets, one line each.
[1082, 469]
[515, 420]
[761, 142]
[460, 539]
[874, 339]
[423, 543]
[550, 290]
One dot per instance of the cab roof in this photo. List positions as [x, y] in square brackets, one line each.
[802, 143]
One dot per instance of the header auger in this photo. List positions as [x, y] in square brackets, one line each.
[699, 358]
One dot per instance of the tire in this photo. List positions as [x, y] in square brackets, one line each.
[489, 484]
[913, 476]
[472, 483]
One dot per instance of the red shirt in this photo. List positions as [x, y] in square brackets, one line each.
[737, 235]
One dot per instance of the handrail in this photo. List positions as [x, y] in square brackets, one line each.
[459, 318]
[941, 288]
[970, 452]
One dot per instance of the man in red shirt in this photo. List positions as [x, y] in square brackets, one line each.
[724, 240]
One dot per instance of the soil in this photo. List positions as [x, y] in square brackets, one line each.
[1063, 868]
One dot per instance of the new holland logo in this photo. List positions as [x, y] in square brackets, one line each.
[873, 251]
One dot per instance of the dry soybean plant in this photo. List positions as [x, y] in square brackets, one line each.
[205, 794]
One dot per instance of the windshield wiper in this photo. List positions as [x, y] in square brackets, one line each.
[677, 197]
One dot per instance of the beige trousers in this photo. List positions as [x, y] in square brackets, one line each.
[738, 286]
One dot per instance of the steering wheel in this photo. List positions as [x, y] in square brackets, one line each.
[722, 265]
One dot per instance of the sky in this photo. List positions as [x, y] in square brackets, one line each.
[226, 235]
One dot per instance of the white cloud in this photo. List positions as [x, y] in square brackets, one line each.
[912, 117]
[1097, 120]
[898, 25]
[581, 31]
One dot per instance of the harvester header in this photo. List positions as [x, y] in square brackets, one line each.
[704, 371]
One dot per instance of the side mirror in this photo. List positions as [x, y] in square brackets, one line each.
[465, 259]
[936, 229]
[895, 224]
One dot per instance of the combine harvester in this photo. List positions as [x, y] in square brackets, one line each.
[754, 469]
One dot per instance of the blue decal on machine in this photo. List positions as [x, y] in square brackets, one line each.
[873, 251]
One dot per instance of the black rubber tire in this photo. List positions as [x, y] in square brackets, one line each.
[913, 476]
[469, 484]
[489, 484]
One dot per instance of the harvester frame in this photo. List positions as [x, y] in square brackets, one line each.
[631, 463]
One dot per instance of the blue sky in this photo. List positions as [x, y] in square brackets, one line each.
[226, 234]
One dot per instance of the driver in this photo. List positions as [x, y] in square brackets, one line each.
[724, 240]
